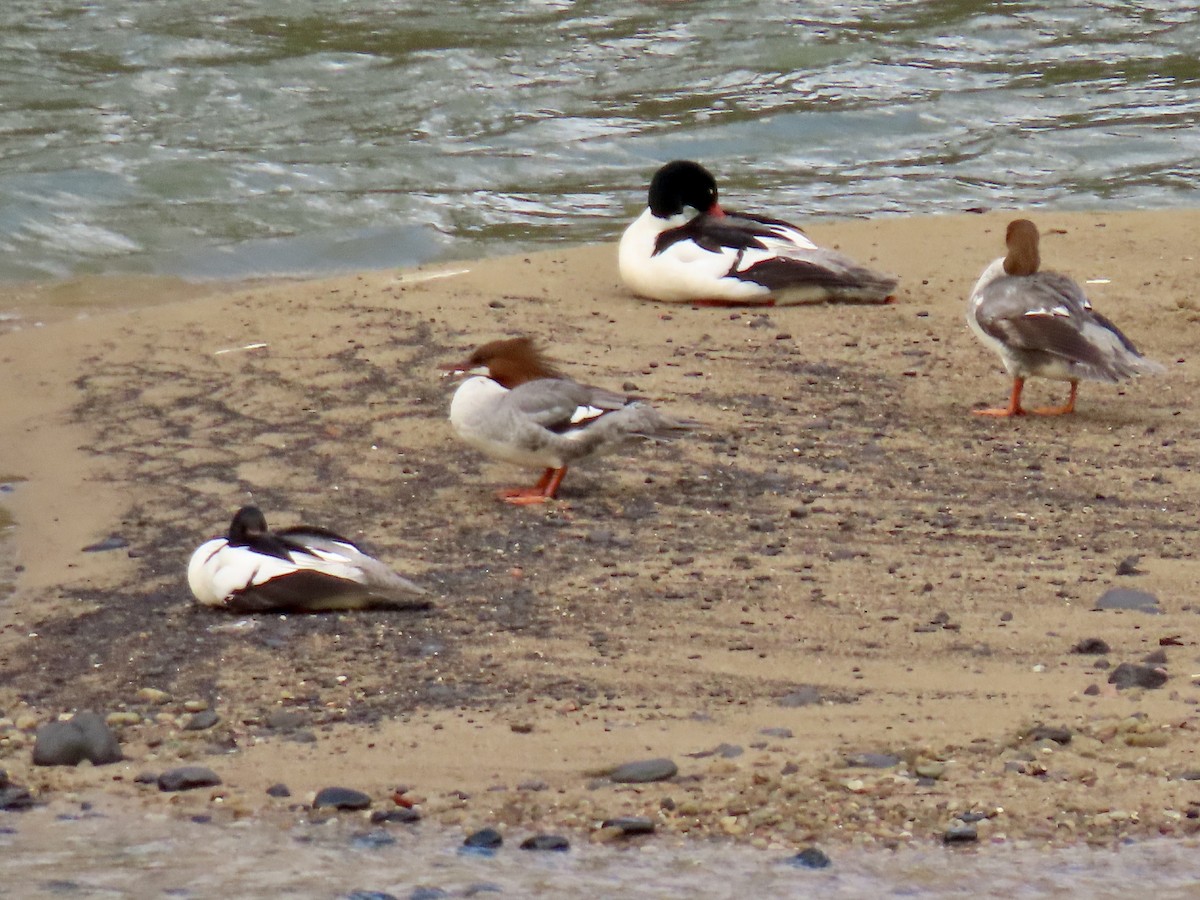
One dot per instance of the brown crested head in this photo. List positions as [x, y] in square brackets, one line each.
[1022, 241]
[511, 361]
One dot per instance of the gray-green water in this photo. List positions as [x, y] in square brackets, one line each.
[289, 136]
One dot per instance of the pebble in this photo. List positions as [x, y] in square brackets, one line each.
[195, 706]
[112, 542]
[84, 736]
[1092, 646]
[340, 798]
[201, 721]
[121, 719]
[804, 695]
[153, 695]
[1056, 733]
[370, 895]
[371, 840]
[644, 771]
[555, 842]
[401, 816]
[427, 893]
[960, 833]
[777, 732]
[629, 825]
[1131, 675]
[1128, 598]
[809, 858]
[13, 796]
[279, 790]
[187, 778]
[872, 760]
[485, 841]
[534, 784]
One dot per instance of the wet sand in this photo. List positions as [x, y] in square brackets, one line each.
[842, 552]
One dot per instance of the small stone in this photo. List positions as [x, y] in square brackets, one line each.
[279, 790]
[630, 825]
[1128, 598]
[644, 771]
[112, 542]
[201, 721]
[371, 840]
[153, 695]
[554, 842]
[1148, 739]
[1128, 566]
[872, 760]
[1056, 733]
[195, 706]
[534, 784]
[123, 718]
[372, 895]
[960, 833]
[783, 733]
[521, 727]
[1092, 647]
[399, 816]
[485, 841]
[187, 778]
[930, 769]
[804, 695]
[13, 797]
[1130, 675]
[340, 798]
[84, 736]
[809, 858]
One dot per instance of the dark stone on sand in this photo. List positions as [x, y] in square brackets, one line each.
[340, 798]
[1189, 775]
[484, 841]
[629, 825]
[202, 720]
[14, 798]
[555, 842]
[1092, 647]
[1156, 658]
[1128, 675]
[973, 815]
[809, 858]
[804, 695]
[286, 719]
[1056, 733]
[534, 784]
[187, 778]
[1091, 690]
[1128, 598]
[427, 893]
[644, 771]
[146, 778]
[1128, 566]
[370, 895]
[84, 736]
[279, 790]
[872, 760]
[960, 833]
[112, 542]
[398, 816]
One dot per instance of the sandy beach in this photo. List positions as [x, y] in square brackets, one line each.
[843, 561]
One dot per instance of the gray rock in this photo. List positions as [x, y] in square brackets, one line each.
[83, 736]
[1056, 733]
[1092, 646]
[340, 798]
[202, 720]
[644, 771]
[777, 732]
[1128, 598]
[1128, 675]
[960, 833]
[804, 695]
[554, 842]
[187, 778]
[399, 815]
[630, 824]
[809, 858]
[872, 760]
[279, 790]
[485, 840]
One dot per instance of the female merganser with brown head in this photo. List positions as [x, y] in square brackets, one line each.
[1042, 324]
[713, 255]
[518, 408]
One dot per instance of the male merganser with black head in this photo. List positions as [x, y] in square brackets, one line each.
[300, 569]
[718, 256]
[519, 408]
[1042, 324]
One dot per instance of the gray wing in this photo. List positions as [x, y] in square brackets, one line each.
[558, 403]
[1045, 312]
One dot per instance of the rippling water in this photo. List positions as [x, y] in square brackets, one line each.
[107, 852]
[290, 136]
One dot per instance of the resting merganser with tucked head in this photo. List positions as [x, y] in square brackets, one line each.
[718, 256]
[1042, 325]
[300, 569]
[516, 407]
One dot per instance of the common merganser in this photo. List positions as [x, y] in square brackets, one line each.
[518, 408]
[302, 569]
[1042, 324]
[723, 257]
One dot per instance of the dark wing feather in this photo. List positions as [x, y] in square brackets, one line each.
[717, 233]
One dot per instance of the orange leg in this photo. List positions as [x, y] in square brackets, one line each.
[1065, 409]
[1014, 407]
[545, 489]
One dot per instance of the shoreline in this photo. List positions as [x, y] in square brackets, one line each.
[844, 554]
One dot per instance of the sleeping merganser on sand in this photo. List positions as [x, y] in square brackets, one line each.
[719, 257]
[300, 569]
[516, 407]
[1042, 325]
